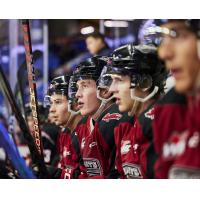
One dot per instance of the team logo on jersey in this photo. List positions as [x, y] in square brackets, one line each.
[184, 173]
[132, 170]
[65, 152]
[83, 143]
[175, 146]
[93, 166]
[178, 142]
[150, 114]
[92, 144]
[194, 140]
[125, 146]
[135, 147]
[111, 116]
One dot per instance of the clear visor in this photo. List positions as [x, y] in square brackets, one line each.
[47, 99]
[103, 84]
[105, 79]
[156, 34]
[72, 90]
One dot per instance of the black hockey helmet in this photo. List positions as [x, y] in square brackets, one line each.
[142, 64]
[59, 85]
[90, 69]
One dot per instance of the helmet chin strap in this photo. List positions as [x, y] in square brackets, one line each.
[72, 111]
[155, 90]
[102, 106]
[69, 121]
[103, 99]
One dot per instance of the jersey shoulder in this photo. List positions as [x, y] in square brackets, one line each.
[145, 119]
[172, 97]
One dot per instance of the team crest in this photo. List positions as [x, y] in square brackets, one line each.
[150, 114]
[125, 146]
[112, 116]
[83, 143]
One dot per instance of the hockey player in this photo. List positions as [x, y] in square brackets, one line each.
[138, 81]
[95, 133]
[177, 116]
[67, 121]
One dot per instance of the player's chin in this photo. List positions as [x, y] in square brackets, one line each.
[122, 108]
[84, 111]
[57, 123]
[183, 86]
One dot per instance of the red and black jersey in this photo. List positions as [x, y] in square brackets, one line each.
[97, 143]
[50, 134]
[170, 129]
[69, 158]
[123, 136]
[187, 160]
[108, 136]
[136, 149]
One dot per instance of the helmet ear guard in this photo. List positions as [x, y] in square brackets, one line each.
[101, 98]
[71, 109]
[144, 81]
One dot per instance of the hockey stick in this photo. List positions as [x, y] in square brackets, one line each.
[22, 81]
[13, 154]
[37, 159]
[32, 84]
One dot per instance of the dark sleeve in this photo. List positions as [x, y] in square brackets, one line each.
[79, 169]
[50, 134]
[144, 137]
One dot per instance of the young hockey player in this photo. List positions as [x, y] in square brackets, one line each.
[177, 116]
[67, 121]
[95, 133]
[138, 81]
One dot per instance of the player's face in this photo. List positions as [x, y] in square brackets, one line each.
[120, 88]
[58, 109]
[180, 56]
[51, 117]
[88, 103]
